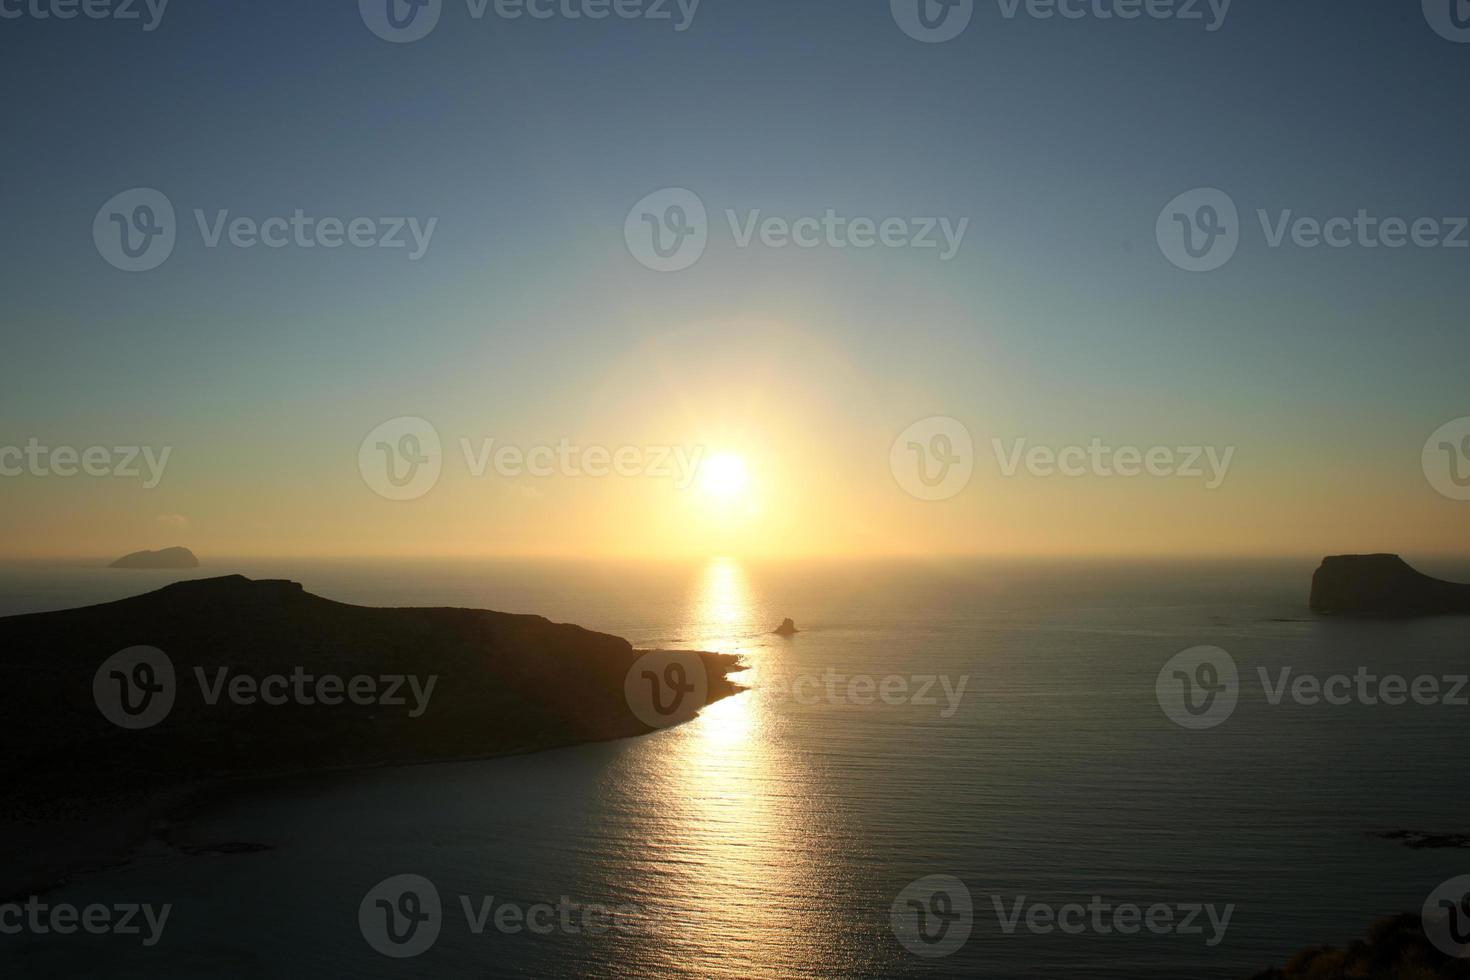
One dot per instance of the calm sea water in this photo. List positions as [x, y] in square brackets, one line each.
[772, 836]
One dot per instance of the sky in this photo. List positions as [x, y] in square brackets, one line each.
[855, 400]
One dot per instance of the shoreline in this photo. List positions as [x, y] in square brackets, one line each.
[115, 839]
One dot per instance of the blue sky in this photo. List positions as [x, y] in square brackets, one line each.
[1059, 141]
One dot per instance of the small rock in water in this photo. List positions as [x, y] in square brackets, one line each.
[787, 628]
[1420, 840]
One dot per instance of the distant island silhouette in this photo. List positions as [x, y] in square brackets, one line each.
[503, 683]
[787, 628]
[1383, 586]
[165, 558]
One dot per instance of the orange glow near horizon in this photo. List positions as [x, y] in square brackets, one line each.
[776, 446]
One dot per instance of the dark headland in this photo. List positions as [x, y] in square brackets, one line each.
[164, 558]
[503, 683]
[1383, 586]
[1396, 949]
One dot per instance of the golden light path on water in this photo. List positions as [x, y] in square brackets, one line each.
[723, 607]
[739, 864]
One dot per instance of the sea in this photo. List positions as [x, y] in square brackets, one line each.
[954, 769]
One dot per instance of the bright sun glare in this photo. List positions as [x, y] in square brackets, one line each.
[723, 475]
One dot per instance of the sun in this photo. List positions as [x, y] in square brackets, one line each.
[723, 476]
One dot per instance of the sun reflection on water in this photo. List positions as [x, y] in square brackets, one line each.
[723, 609]
[737, 823]
[738, 830]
